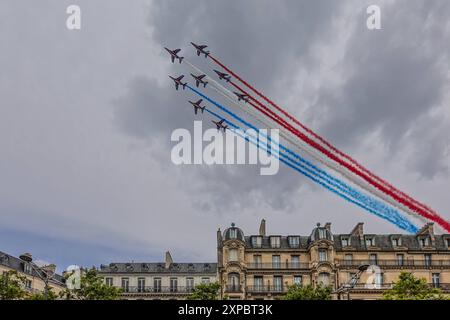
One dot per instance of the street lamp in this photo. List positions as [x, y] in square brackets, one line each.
[44, 273]
[346, 287]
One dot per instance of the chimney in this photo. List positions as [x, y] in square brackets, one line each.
[169, 260]
[219, 238]
[427, 229]
[358, 230]
[262, 228]
[328, 226]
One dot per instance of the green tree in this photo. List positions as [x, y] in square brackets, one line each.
[50, 295]
[92, 287]
[409, 287]
[308, 292]
[205, 291]
[11, 286]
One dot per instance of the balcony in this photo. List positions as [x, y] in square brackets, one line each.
[278, 266]
[396, 263]
[445, 287]
[157, 290]
[266, 289]
[233, 288]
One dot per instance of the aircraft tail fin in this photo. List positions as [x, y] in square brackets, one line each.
[181, 59]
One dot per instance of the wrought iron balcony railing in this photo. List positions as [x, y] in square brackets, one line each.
[233, 288]
[157, 289]
[281, 265]
[384, 286]
[266, 289]
[396, 263]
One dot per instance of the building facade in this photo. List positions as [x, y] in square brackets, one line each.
[163, 280]
[263, 267]
[36, 277]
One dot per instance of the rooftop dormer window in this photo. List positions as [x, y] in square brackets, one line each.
[370, 242]
[27, 268]
[256, 241]
[322, 233]
[233, 233]
[396, 242]
[275, 242]
[448, 243]
[294, 241]
[424, 242]
[345, 241]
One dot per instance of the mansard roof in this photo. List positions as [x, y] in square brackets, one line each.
[160, 267]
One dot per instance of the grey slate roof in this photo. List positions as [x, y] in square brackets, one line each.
[18, 265]
[383, 241]
[159, 267]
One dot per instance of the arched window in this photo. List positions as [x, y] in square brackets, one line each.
[233, 282]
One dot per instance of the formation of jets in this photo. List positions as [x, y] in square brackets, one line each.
[199, 79]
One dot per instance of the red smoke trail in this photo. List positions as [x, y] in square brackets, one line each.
[362, 172]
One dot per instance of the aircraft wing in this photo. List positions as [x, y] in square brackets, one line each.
[176, 51]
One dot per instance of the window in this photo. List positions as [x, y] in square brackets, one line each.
[396, 242]
[298, 280]
[448, 243]
[436, 278]
[424, 242]
[276, 262]
[373, 259]
[256, 241]
[257, 261]
[294, 241]
[322, 233]
[351, 278]
[27, 284]
[427, 259]
[275, 242]
[258, 283]
[278, 283]
[233, 255]
[189, 284]
[27, 268]
[233, 233]
[109, 281]
[379, 279]
[141, 284]
[157, 284]
[323, 255]
[125, 284]
[324, 279]
[400, 259]
[370, 242]
[345, 242]
[205, 280]
[295, 262]
[348, 259]
[233, 282]
[173, 284]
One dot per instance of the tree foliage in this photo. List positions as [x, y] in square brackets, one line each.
[12, 286]
[308, 292]
[205, 291]
[409, 287]
[92, 287]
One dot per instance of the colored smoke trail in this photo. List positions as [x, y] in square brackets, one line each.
[368, 204]
[413, 205]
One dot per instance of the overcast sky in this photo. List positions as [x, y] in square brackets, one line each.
[86, 118]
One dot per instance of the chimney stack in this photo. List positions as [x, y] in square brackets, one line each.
[169, 260]
[328, 226]
[262, 228]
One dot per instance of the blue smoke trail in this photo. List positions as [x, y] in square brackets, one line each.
[394, 216]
